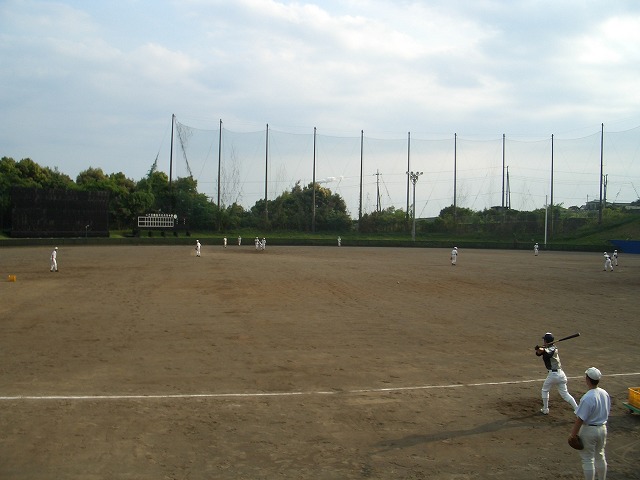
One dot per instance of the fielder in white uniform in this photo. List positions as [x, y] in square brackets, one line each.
[535, 249]
[454, 255]
[615, 257]
[607, 262]
[54, 260]
[239, 240]
[555, 376]
[591, 424]
[198, 248]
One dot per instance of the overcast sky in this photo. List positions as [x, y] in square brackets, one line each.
[94, 84]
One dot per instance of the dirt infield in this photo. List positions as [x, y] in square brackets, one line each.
[307, 363]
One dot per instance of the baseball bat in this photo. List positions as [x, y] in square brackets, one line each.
[563, 338]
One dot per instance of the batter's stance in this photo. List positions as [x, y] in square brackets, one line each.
[556, 376]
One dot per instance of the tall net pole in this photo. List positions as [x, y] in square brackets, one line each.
[313, 207]
[361, 173]
[408, 169]
[266, 175]
[219, 159]
[601, 171]
[455, 180]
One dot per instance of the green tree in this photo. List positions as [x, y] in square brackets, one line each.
[26, 173]
[157, 185]
[385, 221]
[292, 210]
[119, 187]
[193, 206]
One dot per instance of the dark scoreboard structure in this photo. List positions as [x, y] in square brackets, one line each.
[38, 212]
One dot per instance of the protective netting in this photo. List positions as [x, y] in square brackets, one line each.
[271, 161]
[59, 213]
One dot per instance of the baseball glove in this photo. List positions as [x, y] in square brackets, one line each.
[576, 442]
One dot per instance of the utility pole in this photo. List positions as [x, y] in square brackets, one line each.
[414, 179]
[377, 174]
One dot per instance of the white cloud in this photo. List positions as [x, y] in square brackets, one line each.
[119, 69]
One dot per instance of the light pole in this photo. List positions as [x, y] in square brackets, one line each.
[413, 176]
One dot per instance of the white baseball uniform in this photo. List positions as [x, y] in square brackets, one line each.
[54, 260]
[556, 377]
[593, 410]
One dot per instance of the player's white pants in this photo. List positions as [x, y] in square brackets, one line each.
[54, 264]
[559, 380]
[593, 459]
[608, 265]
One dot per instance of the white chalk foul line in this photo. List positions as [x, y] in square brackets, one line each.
[277, 394]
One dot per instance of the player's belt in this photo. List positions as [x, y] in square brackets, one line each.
[596, 424]
[553, 370]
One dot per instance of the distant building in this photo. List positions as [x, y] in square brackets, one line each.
[595, 205]
[591, 205]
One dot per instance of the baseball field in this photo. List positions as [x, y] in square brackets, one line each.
[147, 362]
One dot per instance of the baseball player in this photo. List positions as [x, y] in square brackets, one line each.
[339, 241]
[454, 256]
[224, 241]
[615, 257]
[535, 249]
[198, 248]
[607, 262]
[591, 424]
[239, 240]
[555, 377]
[54, 260]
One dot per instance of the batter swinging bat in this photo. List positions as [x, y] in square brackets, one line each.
[562, 339]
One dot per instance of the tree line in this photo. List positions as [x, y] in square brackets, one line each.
[292, 210]
[128, 199]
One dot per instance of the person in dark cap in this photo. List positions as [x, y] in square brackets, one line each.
[591, 425]
[555, 376]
